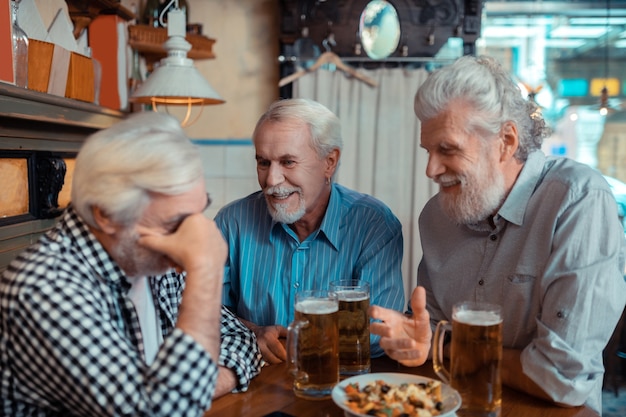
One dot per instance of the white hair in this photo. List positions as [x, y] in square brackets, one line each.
[117, 168]
[323, 124]
[496, 99]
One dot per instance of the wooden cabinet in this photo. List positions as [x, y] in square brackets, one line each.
[38, 128]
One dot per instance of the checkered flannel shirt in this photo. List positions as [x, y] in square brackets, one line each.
[70, 342]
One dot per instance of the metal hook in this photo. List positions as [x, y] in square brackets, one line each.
[330, 39]
[162, 21]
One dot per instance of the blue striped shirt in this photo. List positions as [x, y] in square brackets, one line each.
[359, 238]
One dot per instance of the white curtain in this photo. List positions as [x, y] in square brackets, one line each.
[381, 154]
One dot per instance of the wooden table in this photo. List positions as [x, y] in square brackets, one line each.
[272, 391]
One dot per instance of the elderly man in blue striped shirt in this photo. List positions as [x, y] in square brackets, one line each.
[302, 230]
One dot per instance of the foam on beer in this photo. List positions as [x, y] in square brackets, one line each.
[477, 318]
[313, 306]
[352, 295]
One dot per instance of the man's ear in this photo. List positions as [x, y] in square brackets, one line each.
[332, 160]
[103, 221]
[510, 141]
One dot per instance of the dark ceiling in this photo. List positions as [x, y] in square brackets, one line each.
[425, 25]
[572, 28]
[556, 39]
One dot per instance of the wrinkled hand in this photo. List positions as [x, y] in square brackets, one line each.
[271, 340]
[198, 248]
[197, 244]
[405, 339]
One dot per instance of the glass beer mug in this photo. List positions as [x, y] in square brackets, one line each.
[354, 326]
[313, 344]
[475, 357]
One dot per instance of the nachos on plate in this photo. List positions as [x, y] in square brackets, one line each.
[381, 399]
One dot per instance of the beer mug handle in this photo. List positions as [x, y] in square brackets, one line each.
[439, 337]
[293, 333]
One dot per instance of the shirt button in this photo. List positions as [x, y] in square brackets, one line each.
[481, 282]
[296, 285]
[493, 237]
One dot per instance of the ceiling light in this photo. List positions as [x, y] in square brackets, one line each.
[604, 107]
[564, 43]
[578, 32]
[176, 81]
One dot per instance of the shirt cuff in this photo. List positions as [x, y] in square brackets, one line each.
[245, 365]
[573, 390]
[239, 351]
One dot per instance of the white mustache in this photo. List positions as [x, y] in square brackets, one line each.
[279, 192]
[447, 180]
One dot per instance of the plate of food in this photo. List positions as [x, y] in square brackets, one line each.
[388, 394]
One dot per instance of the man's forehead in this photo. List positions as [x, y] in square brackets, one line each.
[276, 156]
[286, 147]
[446, 127]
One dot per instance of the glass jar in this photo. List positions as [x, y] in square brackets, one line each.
[20, 49]
[135, 80]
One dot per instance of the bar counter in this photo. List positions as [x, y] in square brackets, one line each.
[271, 391]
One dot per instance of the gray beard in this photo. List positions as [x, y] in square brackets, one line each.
[482, 194]
[280, 214]
[279, 211]
[135, 260]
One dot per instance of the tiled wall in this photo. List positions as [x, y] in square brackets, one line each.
[229, 170]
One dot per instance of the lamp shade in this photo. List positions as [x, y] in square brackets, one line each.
[173, 83]
[176, 81]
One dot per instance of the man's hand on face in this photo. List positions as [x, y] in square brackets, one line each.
[198, 248]
[197, 244]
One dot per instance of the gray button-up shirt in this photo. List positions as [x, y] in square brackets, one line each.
[553, 258]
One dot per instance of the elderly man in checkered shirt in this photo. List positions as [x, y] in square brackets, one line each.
[116, 310]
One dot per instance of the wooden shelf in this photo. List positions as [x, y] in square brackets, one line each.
[148, 41]
[31, 107]
[82, 12]
[93, 8]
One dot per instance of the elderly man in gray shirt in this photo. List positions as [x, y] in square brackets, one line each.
[538, 235]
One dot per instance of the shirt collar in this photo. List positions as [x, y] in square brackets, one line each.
[92, 250]
[332, 217]
[515, 204]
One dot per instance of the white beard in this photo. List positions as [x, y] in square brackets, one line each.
[279, 212]
[482, 193]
